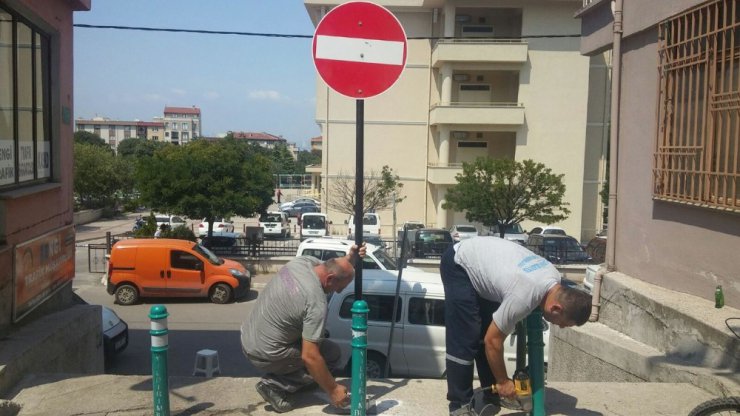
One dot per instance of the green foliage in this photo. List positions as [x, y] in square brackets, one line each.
[204, 179]
[306, 158]
[380, 192]
[504, 191]
[86, 137]
[180, 232]
[139, 148]
[148, 229]
[98, 176]
[282, 160]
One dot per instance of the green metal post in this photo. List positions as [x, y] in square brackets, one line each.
[536, 361]
[160, 384]
[359, 357]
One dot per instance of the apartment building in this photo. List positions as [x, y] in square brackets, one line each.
[181, 124]
[491, 78]
[114, 131]
[316, 143]
[266, 140]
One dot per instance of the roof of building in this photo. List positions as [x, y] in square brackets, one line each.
[317, 139]
[109, 122]
[150, 123]
[182, 110]
[257, 136]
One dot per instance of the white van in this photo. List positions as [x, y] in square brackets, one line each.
[275, 224]
[314, 224]
[418, 349]
[370, 225]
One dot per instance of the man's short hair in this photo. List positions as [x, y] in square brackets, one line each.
[333, 266]
[576, 305]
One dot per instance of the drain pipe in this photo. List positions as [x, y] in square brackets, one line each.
[611, 231]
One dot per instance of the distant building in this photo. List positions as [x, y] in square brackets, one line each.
[181, 124]
[265, 140]
[316, 143]
[114, 131]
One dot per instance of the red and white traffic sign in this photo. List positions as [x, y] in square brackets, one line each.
[359, 49]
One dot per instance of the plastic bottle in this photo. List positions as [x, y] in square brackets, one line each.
[719, 297]
[523, 389]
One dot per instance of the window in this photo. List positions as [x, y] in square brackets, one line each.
[184, 260]
[696, 157]
[25, 120]
[381, 308]
[424, 311]
[184, 126]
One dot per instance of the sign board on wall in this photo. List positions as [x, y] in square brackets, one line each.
[41, 267]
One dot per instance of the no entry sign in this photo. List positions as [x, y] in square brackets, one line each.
[359, 49]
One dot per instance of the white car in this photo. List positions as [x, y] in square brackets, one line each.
[275, 224]
[463, 232]
[419, 334]
[220, 225]
[512, 232]
[547, 229]
[172, 221]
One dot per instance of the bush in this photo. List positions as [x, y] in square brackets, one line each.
[180, 232]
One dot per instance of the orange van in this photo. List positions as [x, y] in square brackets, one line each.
[172, 268]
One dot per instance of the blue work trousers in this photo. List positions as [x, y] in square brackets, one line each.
[467, 317]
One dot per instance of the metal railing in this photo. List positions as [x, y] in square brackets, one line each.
[480, 104]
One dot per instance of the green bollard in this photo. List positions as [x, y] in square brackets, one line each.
[536, 361]
[359, 358]
[160, 384]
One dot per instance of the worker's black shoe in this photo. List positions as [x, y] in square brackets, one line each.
[276, 397]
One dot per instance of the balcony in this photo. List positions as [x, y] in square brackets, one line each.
[479, 50]
[488, 114]
[443, 173]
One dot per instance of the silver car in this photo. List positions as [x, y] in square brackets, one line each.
[463, 232]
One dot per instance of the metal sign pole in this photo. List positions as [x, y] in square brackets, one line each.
[359, 191]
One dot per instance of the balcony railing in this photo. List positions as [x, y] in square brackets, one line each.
[479, 50]
[486, 113]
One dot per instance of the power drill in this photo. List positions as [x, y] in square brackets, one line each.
[523, 389]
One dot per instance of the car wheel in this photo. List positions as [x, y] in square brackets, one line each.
[221, 293]
[127, 295]
[375, 365]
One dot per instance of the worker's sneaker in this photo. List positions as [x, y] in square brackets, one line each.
[276, 397]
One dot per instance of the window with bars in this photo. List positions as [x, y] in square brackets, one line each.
[696, 157]
[25, 133]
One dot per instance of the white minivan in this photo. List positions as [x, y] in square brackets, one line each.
[419, 335]
[314, 224]
[370, 225]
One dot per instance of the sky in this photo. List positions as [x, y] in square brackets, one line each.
[240, 83]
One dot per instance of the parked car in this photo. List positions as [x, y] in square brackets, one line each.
[115, 333]
[512, 232]
[431, 242]
[547, 229]
[275, 224]
[314, 224]
[221, 225]
[172, 268]
[325, 248]
[285, 205]
[463, 232]
[172, 221]
[301, 208]
[596, 248]
[418, 349]
[370, 225]
[558, 249]
[222, 242]
[411, 227]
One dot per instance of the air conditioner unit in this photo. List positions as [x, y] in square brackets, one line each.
[476, 31]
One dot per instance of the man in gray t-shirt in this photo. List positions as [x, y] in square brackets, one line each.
[491, 284]
[283, 335]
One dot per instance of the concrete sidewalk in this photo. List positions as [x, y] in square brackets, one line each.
[62, 395]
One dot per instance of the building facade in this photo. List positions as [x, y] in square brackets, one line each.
[266, 140]
[181, 124]
[463, 95]
[114, 131]
[42, 326]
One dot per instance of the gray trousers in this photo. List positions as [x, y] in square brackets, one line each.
[288, 373]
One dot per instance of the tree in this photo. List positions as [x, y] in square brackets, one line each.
[90, 138]
[98, 176]
[205, 179]
[139, 148]
[506, 192]
[282, 160]
[380, 192]
[306, 158]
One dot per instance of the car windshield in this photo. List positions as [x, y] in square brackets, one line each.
[513, 229]
[214, 259]
[314, 222]
[385, 259]
[466, 229]
[434, 236]
[163, 219]
[270, 218]
[556, 231]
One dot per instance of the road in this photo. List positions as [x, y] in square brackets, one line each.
[194, 324]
